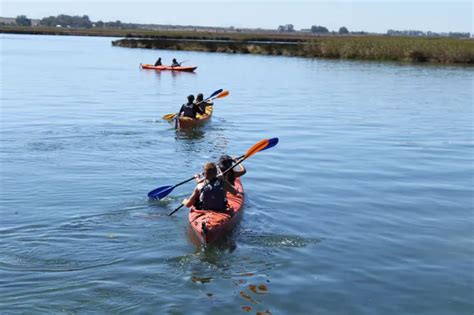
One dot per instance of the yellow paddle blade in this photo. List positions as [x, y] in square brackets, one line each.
[256, 147]
[169, 117]
[222, 94]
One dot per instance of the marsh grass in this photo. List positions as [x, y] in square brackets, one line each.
[384, 48]
[435, 50]
[368, 47]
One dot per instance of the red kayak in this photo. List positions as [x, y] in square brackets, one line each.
[210, 226]
[180, 68]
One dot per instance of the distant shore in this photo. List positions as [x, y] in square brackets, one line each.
[384, 48]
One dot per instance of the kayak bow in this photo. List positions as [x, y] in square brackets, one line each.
[210, 226]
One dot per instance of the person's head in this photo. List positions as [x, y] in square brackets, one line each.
[199, 97]
[174, 59]
[210, 170]
[159, 58]
[190, 98]
[225, 162]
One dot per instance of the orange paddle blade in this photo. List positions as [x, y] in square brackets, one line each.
[222, 94]
[262, 144]
[169, 117]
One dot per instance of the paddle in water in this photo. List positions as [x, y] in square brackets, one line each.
[259, 146]
[161, 192]
[216, 95]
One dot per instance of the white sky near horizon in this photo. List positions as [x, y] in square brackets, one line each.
[356, 15]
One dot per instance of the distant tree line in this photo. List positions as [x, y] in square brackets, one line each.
[77, 21]
[22, 20]
[428, 34]
[314, 29]
[74, 21]
[67, 21]
[116, 24]
[286, 28]
[317, 29]
[323, 30]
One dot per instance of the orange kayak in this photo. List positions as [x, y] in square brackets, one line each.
[187, 122]
[180, 68]
[210, 226]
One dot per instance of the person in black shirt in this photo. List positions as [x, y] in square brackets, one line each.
[190, 109]
[175, 63]
[202, 105]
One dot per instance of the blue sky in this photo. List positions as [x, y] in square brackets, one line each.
[356, 15]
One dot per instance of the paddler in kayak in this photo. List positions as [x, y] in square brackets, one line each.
[190, 109]
[158, 62]
[202, 105]
[210, 192]
[225, 163]
[175, 63]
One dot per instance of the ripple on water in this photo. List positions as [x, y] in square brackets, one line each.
[42, 146]
[249, 237]
[222, 276]
[122, 133]
[382, 174]
[35, 261]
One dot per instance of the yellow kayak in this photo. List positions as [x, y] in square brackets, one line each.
[187, 122]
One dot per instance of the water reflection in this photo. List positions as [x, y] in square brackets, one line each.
[225, 244]
[151, 73]
[201, 144]
[190, 134]
[216, 262]
[176, 74]
[242, 274]
[246, 269]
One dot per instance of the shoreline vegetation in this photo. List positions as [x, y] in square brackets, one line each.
[437, 50]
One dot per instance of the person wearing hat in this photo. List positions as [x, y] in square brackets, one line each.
[190, 109]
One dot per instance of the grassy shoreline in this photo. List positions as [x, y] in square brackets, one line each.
[380, 48]
[383, 48]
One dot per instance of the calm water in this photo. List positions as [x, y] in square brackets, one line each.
[364, 207]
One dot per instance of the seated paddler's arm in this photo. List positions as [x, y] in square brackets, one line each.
[192, 199]
[230, 188]
[241, 171]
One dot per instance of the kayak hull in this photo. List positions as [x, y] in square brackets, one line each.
[180, 68]
[210, 226]
[187, 122]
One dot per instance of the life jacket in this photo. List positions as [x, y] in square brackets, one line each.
[213, 196]
[189, 110]
[203, 105]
